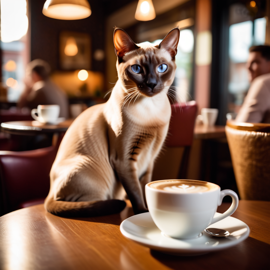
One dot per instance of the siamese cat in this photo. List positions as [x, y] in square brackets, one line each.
[110, 149]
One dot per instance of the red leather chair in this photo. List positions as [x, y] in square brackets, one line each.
[8, 142]
[15, 115]
[181, 131]
[24, 177]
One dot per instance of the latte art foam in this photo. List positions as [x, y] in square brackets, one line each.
[186, 189]
[183, 186]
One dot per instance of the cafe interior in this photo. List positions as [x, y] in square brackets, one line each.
[204, 142]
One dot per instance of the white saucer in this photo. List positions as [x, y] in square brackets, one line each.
[58, 121]
[141, 229]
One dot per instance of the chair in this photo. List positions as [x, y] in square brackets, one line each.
[12, 142]
[250, 152]
[14, 115]
[181, 131]
[24, 177]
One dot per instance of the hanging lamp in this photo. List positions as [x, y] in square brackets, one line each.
[145, 11]
[67, 9]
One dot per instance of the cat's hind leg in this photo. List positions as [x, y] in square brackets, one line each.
[81, 191]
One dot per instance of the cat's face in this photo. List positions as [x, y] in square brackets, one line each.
[146, 69]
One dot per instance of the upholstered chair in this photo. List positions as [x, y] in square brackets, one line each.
[250, 151]
[24, 177]
[181, 131]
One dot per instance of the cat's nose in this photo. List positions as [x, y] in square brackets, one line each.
[151, 85]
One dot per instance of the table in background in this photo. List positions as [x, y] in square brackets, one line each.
[211, 157]
[31, 238]
[32, 128]
[206, 132]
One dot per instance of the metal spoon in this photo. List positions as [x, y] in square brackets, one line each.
[217, 232]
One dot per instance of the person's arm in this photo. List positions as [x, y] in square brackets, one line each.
[256, 103]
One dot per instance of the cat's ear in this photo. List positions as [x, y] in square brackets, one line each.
[122, 42]
[170, 42]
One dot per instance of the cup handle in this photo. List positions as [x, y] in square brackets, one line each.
[233, 207]
[34, 114]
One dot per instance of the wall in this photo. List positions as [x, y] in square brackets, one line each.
[45, 33]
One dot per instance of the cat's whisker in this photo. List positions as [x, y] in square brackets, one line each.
[137, 95]
[132, 97]
[127, 98]
[109, 92]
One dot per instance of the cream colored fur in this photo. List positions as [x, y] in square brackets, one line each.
[93, 163]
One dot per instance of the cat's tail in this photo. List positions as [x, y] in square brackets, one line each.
[83, 209]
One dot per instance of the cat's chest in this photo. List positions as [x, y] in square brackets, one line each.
[150, 112]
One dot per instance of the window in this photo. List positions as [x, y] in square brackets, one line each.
[243, 33]
[14, 44]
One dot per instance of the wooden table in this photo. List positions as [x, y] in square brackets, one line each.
[34, 127]
[25, 130]
[205, 132]
[34, 239]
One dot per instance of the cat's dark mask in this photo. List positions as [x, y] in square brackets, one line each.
[149, 69]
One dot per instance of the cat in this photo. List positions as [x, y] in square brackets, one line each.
[109, 150]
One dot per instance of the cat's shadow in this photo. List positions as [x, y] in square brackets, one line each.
[115, 219]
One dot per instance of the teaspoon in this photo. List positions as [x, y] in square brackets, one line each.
[217, 232]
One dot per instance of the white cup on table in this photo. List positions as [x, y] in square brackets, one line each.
[209, 116]
[184, 208]
[46, 113]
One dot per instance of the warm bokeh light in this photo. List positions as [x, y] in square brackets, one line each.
[10, 82]
[145, 7]
[71, 48]
[145, 11]
[14, 21]
[82, 75]
[252, 4]
[186, 41]
[203, 48]
[10, 65]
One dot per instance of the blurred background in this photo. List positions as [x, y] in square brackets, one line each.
[211, 59]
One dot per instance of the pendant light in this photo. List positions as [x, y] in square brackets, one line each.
[145, 11]
[67, 9]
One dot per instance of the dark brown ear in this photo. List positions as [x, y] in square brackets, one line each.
[122, 42]
[170, 42]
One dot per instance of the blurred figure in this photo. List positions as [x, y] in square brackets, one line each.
[256, 106]
[40, 90]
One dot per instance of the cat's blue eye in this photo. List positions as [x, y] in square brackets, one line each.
[136, 69]
[162, 68]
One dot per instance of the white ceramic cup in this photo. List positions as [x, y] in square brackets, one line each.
[185, 212]
[46, 113]
[209, 116]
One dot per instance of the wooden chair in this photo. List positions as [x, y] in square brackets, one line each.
[181, 131]
[24, 177]
[249, 145]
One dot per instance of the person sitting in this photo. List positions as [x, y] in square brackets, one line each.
[256, 106]
[40, 90]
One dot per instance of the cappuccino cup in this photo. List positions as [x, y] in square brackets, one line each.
[184, 208]
[209, 116]
[46, 113]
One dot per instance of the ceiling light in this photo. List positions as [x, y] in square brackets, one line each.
[145, 11]
[67, 9]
